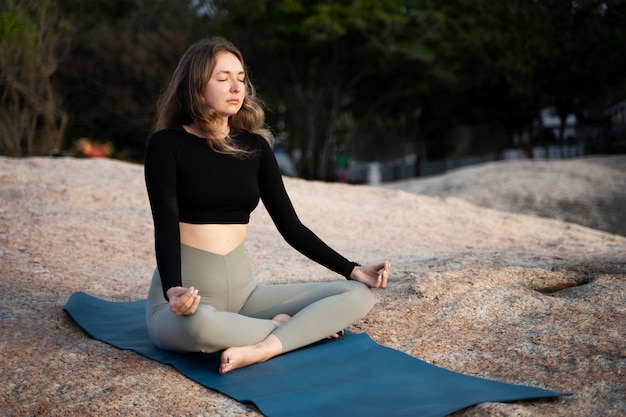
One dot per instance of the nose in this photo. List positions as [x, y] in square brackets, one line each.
[235, 86]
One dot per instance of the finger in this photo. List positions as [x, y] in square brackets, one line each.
[179, 298]
[194, 307]
[189, 294]
[189, 302]
[385, 275]
[379, 280]
[380, 266]
[383, 281]
[183, 302]
[175, 306]
[180, 309]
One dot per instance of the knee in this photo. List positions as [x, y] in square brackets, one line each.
[205, 331]
[361, 297]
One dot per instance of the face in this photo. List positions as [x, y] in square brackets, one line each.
[226, 89]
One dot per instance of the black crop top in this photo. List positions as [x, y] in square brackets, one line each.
[188, 182]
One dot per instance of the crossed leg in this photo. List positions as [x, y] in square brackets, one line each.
[316, 309]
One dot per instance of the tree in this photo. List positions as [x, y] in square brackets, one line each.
[585, 57]
[512, 58]
[121, 58]
[314, 59]
[32, 39]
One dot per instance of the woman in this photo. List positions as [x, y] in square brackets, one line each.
[207, 164]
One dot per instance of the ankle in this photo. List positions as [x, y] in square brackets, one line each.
[238, 357]
[269, 347]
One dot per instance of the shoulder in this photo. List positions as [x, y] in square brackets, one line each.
[252, 141]
[172, 139]
[168, 135]
[162, 146]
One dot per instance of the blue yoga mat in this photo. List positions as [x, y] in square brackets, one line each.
[351, 376]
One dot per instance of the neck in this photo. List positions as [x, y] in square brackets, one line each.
[222, 128]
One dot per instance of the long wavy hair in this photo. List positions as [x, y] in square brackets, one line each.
[183, 103]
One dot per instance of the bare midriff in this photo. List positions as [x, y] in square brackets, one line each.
[220, 239]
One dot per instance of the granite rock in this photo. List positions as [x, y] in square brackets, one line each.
[484, 291]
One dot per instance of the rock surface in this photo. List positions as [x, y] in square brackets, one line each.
[590, 191]
[492, 293]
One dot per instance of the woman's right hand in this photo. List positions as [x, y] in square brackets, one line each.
[183, 301]
[374, 276]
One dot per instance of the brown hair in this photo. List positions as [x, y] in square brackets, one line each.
[182, 101]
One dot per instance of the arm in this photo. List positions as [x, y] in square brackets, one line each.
[160, 175]
[281, 210]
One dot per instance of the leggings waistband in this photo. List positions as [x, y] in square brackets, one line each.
[223, 281]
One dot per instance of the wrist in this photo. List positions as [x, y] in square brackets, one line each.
[169, 293]
[355, 267]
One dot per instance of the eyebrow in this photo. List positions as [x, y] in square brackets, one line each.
[229, 72]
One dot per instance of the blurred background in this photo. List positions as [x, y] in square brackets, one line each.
[359, 91]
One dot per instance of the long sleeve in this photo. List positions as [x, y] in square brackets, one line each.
[161, 184]
[282, 212]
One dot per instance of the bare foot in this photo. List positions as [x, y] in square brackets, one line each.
[281, 319]
[238, 357]
[337, 335]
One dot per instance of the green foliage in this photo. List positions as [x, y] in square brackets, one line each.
[15, 28]
[121, 58]
[372, 78]
[326, 63]
[510, 58]
[31, 39]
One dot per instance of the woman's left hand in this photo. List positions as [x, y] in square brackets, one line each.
[374, 276]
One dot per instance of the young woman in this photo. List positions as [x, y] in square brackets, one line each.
[208, 163]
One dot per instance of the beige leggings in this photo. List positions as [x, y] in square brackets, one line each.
[234, 311]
